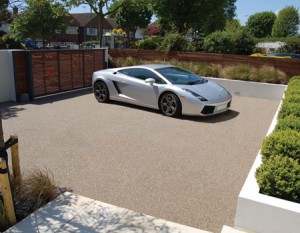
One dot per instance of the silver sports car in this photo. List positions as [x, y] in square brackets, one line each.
[171, 89]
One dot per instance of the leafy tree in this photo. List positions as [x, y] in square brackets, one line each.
[287, 22]
[133, 14]
[100, 7]
[198, 15]
[41, 18]
[5, 15]
[261, 24]
[154, 30]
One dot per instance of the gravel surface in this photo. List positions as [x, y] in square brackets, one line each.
[188, 170]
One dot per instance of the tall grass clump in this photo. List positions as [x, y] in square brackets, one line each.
[36, 189]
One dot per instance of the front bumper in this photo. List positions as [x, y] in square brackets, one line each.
[195, 108]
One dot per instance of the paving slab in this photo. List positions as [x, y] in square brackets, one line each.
[73, 213]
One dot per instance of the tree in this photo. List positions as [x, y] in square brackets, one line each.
[198, 15]
[133, 14]
[261, 24]
[40, 19]
[100, 7]
[287, 22]
[5, 15]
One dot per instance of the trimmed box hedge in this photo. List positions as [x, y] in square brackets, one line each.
[279, 174]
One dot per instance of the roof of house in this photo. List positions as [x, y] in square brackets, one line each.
[83, 18]
[113, 22]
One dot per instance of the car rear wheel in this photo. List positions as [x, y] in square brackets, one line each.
[170, 105]
[101, 92]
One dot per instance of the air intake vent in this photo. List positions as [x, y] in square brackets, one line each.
[208, 110]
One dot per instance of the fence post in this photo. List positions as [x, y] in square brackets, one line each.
[6, 192]
[15, 160]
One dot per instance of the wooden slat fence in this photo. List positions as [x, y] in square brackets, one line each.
[290, 66]
[43, 72]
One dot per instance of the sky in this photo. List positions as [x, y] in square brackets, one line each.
[244, 8]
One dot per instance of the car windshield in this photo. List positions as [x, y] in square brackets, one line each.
[176, 75]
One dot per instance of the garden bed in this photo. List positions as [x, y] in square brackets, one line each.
[261, 213]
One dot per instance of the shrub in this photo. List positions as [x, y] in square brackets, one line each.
[130, 61]
[280, 177]
[289, 122]
[10, 42]
[174, 42]
[149, 43]
[111, 62]
[239, 72]
[208, 70]
[289, 108]
[283, 143]
[37, 189]
[269, 74]
[244, 42]
[219, 42]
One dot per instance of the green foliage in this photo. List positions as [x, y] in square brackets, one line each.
[237, 41]
[5, 15]
[289, 122]
[289, 108]
[219, 42]
[130, 61]
[10, 42]
[111, 62]
[41, 18]
[244, 42]
[260, 24]
[280, 177]
[198, 15]
[149, 43]
[283, 143]
[174, 42]
[287, 22]
[133, 14]
[266, 74]
[208, 70]
[292, 45]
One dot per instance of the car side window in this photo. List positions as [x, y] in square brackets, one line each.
[143, 74]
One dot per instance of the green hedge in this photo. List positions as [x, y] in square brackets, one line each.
[283, 143]
[279, 174]
[289, 122]
[280, 177]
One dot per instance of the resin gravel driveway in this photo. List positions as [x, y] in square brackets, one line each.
[188, 170]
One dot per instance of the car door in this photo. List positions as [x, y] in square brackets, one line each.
[133, 86]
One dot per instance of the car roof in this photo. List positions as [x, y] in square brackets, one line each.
[151, 66]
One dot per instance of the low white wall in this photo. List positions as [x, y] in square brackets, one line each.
[7, 81]
[261, 213]
[252, 89]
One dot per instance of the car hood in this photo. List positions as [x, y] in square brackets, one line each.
[209, 90]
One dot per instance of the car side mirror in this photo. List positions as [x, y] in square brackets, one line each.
[150, 81]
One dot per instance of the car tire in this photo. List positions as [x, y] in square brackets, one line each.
[170, 105]
[101, 92]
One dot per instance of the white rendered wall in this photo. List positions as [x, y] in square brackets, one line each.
[252, 89]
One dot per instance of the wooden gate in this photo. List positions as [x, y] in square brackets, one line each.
[53, 71]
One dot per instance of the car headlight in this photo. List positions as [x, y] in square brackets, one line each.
[195, 94]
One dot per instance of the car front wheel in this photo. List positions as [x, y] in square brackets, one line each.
[101, 92]
[170, 105]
